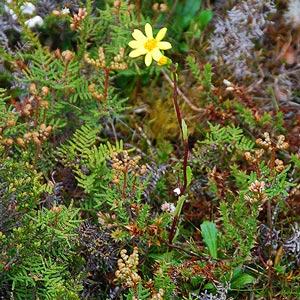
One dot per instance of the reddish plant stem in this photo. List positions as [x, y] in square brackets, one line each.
[124, 183]
[186, 152]
[184, 167]
[172, 232]
[192, 254]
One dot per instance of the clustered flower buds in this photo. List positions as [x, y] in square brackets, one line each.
[96, 95]
[67, 55]
[124, 164]
[160, 7]
[268, 144]
[281, 144]
[253, 158]
[116, 64]
[7, 141]
[118, 61]
[257, 186]
[158, 295]
[127, 268]
[107, 220]
[258, 196]
[36, 136]
[31, 103]
[77, 19]
[99, 62]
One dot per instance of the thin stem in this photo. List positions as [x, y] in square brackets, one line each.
[193, 254]
[181, 94]
[175, 96]
[184, 166]
[107, 70]
[124, 183]
[37, 111]
[172, 232]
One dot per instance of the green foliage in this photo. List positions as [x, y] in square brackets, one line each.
[141, 293]
[20, 192]
[239, 229]
[67, 135]
[229, 138]
[221, 146]
[45, 249]
[204, 79]
[89, 161]
[237, 279]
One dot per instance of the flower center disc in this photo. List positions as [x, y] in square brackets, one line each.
[150, 44]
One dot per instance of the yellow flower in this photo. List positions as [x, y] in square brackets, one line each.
[147, 45]
[162, 61]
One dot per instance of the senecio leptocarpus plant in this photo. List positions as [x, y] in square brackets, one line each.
[151, 47]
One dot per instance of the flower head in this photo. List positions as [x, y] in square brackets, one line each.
[34, 22]
[27, 8]
[148, 45]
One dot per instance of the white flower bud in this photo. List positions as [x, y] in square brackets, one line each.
[35, 21]
[177, 191]
[65, 11]
[230, 88]
[227, 82]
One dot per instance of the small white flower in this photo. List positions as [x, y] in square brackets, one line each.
[227, 82]
[65, 11]
[27, 8]
[230, 88]
[177, 191]
[168, 207]
[35, 21]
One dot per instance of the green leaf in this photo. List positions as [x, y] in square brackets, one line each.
[190, 9]
[179, 205]
[189, 175]
[210, 237]
[239, 279]
[205, 17]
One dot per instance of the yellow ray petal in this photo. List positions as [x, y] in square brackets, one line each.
[135, 44]
[164, 45]
[148, 59]
[148, 30]
[156, 54]
[139, 36]
[137, 52]
[161, 34]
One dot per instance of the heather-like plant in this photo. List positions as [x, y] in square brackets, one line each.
[47, 267]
